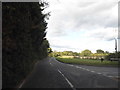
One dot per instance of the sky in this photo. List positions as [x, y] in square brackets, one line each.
[76, 25]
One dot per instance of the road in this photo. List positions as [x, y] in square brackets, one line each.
[50, 73]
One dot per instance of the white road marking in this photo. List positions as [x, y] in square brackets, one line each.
[67, 80]
[87, 69]
[25, 79]
[104, 74]
[77, 67]
[92, 71]
[110, 76]
[83, 68]
[51, 64]
[22, 84]
[117, 76]
[59, 71]
[99, 73]
[95, 72]
[70, 65]
[57, 61]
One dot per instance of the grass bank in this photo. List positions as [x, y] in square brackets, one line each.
[88, 62]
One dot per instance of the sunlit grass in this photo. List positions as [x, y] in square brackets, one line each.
[88, 62]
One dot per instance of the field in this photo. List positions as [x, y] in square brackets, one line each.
[88, 62]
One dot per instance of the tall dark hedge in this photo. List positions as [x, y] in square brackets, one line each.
[23, 40]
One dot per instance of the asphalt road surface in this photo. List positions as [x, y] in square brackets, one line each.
[50, 73]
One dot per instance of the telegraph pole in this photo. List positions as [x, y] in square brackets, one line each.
[115, 45]
[115, 40]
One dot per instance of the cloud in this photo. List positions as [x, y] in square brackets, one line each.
[75, 24]
[77, 15]
[106, 34]
[63, 47]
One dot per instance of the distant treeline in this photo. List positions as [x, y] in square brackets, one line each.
[86, 54]
[23, 40]
[83, 53]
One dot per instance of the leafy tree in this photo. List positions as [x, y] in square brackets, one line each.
[50, 50]
[23, 34]
[106, 52]
[99, 51]
[113, 55]
[86, 53]
[75, 54]
[68, 53]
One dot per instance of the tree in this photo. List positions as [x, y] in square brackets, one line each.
[106, 52]
[113, 55]
[23, 39]
[75, 54]
[50, 50]
[86, 53]
[99, 51]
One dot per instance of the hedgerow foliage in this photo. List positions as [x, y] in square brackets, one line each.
[23, 39]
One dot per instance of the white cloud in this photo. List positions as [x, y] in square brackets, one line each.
[74, 24]
[107, 34]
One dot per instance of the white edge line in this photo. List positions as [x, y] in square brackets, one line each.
[117, 76]
[51, 64]
[87, 69]
[83, 68]
[104, 74]
[92, 71]
[99, 73]
[26, 77]
[70, 65]
[110, 76]
[76, 66]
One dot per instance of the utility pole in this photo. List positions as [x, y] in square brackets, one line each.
[115, 45]
[115, 31]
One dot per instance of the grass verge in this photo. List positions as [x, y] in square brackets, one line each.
[88, 62]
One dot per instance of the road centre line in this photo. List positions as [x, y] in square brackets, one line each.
[59, 71]
[67, 80]
[22, 84]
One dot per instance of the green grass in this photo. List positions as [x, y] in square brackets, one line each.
[88, 62]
